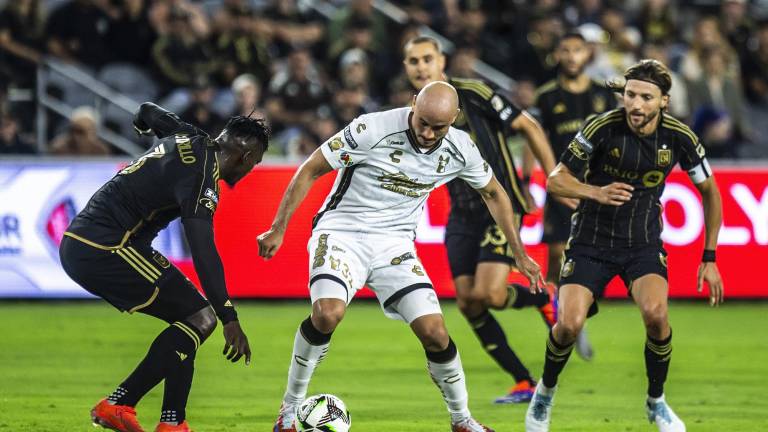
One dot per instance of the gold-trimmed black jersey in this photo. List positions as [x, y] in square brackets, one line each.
[606, 150]
[486, 115]
[562, 113]
[177, 177]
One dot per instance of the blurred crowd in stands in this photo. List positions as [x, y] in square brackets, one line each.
[310, 67]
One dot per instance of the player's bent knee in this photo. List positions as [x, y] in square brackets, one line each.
[655, 315]
[327, 314]
[204, 321]
[431, 332]
[571, 326]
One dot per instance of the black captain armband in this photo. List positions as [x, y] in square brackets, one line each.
[708, 256]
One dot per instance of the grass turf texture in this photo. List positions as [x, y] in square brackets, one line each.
[58, 359]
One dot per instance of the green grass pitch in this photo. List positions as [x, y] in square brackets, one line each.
[58, 359]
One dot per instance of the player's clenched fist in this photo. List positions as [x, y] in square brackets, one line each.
[269, 243]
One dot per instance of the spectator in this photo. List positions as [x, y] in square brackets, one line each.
[10, 140]
[77, 32]
[200, 112]
[180, 55]
[131, 35]
[706, 36]
[400, 92]
[241, 47]
[21, 32]
[290, 25]
[81, 137]
[755, 68]
[717, 92]
[623, 41]
[462, 62]
[600, 68]
[736, 24]
[360, 10]
[296, 92]
[247, 90]
[658, 22]
[537, 49]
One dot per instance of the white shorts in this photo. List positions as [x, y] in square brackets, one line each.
[341, 263]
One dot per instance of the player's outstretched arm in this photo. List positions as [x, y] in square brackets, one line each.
[151, 118]
[312, 169]
[536, 139]
[562, 182]
[500, 206]
[199, 233]
[713, 218]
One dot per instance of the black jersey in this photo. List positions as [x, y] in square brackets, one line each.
[605, 151]
[178, 177]
[485, 115]
[562, 113]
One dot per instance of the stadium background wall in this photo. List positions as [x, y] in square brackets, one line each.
[40, 198]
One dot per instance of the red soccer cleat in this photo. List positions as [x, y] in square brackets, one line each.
[121, 418]
[522, 392]
[549, 310]
[165, 427]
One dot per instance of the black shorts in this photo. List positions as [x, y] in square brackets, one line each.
[135, 278]
[557, 222]
[470, 241]
[594, 267]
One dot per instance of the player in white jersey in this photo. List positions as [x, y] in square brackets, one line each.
[390, 162]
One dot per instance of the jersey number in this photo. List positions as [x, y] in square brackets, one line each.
[157, 153]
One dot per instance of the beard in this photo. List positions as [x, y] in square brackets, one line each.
[647, 118]
[572, 75]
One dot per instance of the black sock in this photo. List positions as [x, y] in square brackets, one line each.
[166, 353]
[658, 353]
[494, 341]
[520, 297]
[178, 382]
[555, 360]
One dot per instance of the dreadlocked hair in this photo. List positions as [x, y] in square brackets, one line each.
[248, 128]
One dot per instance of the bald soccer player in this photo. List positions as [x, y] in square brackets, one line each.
[364, 235]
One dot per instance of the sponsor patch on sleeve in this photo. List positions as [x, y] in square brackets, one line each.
[211, 194]
[350, 139]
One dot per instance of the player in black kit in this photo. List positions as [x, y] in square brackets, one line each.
[617, 165]
[107, 250]
[478, 253]
[563, 105]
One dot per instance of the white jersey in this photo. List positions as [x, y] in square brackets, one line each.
[385, 177]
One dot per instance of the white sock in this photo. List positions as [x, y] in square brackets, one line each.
[544, 390]
[304, 360]
[449, 377]
[656, 400]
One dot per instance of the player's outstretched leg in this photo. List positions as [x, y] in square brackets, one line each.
[574, 303]
[444, 365]
[166, 357]
[650, 294]
[310, 347]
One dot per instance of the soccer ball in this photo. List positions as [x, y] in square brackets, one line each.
[323, 413]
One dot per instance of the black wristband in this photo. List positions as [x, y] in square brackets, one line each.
[708, 256]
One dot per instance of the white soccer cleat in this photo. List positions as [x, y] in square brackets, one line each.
[584, 346]
[469, 425]
[661, 414]
[539, 410]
